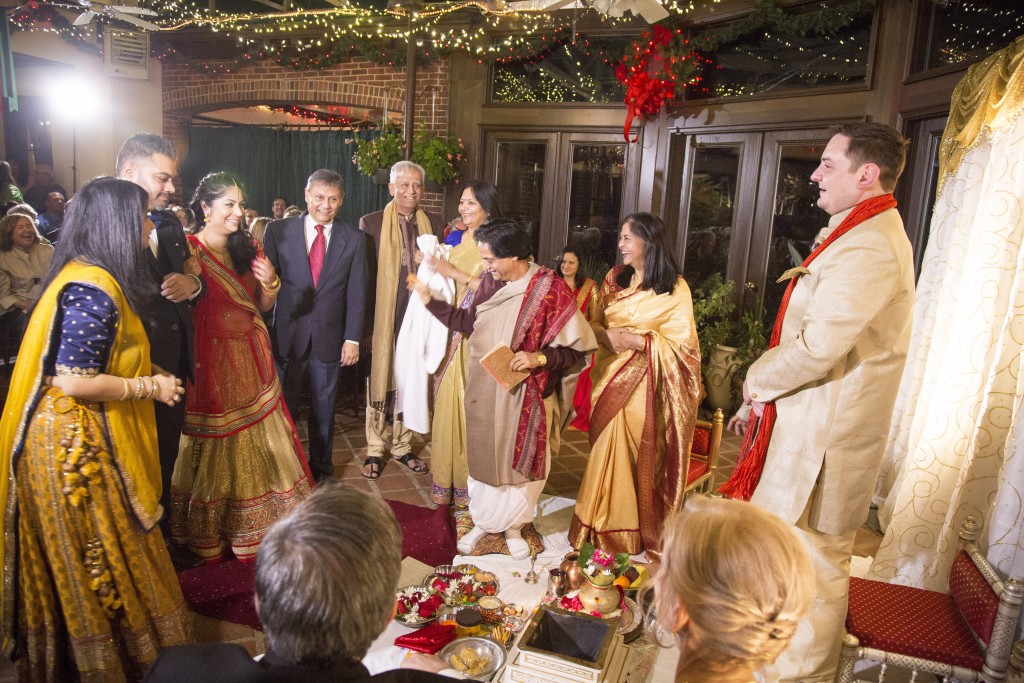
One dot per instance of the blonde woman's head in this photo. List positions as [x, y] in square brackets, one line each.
[734, 582]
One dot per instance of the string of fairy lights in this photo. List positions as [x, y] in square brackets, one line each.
[519, 41]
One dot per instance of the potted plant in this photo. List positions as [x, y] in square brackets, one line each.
[727, 346]
[375, 156]
[439, 155]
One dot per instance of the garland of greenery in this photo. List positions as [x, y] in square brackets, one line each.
[766, 15]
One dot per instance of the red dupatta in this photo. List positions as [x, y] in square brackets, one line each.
[747, 474]
[548, 305]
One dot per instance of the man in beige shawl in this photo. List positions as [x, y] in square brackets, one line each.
[392, 257]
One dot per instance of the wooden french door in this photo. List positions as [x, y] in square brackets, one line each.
[566, 187]
[747, 208]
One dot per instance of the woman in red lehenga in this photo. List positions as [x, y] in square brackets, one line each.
[240, 465]
[583, 290]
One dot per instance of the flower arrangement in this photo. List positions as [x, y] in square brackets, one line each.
[416, 604]
[379, 153]
[439, 155]
[602, 568]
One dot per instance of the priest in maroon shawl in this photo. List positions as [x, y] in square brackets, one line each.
[512, 434]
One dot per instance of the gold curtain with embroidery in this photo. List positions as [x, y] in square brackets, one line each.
[956, 446]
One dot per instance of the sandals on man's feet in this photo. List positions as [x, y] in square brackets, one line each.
[413, 463]
[376, 465]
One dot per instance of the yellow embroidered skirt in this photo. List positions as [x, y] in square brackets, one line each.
[98, 597]
[227, 491]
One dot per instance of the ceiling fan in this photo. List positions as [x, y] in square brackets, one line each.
[93, 8]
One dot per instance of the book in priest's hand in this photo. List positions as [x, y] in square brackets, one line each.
[497, 363]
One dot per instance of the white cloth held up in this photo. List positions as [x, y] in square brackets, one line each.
[422, 342]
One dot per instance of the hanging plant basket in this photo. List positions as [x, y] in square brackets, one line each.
[382, 176]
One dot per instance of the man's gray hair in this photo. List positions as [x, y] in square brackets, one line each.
[326, 176]
[143, 146]
[406, 167]
[326, 575]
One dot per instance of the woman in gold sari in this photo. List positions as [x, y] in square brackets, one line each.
[647, 386]
[88, 592]
[240, 465]
[448, 462]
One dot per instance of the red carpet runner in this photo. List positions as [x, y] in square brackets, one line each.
[224, 591]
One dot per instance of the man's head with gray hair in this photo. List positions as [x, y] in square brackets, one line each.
[327, 177]
[325, 576]
[405, 168]
[325, 192]
[406, 186]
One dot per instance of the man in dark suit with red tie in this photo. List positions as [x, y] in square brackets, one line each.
[318, 320]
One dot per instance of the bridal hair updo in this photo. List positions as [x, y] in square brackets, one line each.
[741, 574]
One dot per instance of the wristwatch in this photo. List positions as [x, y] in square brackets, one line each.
[542, 360]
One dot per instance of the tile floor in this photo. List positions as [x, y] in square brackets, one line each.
[399, 483]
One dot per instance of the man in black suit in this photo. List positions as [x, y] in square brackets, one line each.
[318, 320]
[149, 161]
[325, 578]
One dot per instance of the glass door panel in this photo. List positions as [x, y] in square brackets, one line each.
[595, 205]
[787, 208]
[519, 177]
[711, 212]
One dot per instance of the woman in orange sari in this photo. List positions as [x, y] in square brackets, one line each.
[88, 590]
[583, 290]
[647, 386]
[240, 465]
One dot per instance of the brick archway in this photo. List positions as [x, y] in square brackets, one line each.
[354, 82]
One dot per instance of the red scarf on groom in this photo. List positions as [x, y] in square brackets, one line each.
[744, 478]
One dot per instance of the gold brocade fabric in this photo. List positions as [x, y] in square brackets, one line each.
[987, 99]
[389, 264]
[449, 467]
[77, 562]
[226, 492]
[130, 428]
[645, 407]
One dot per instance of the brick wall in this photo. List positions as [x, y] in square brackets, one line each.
[355, 82]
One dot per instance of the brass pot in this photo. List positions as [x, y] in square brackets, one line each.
[595, 598]
[574, 576]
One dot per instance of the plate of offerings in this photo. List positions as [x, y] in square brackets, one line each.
[417, 606]
[461, 588]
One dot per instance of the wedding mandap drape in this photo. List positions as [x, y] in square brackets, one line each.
[956, 445]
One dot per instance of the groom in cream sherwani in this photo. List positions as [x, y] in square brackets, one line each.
[834, 376]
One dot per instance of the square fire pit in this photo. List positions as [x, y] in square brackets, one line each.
[562, 646]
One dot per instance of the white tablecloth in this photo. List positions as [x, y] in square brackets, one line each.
[552, 523]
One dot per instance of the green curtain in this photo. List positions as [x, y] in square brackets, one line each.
[275, 162]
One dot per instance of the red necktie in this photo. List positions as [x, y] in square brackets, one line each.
[316, 254]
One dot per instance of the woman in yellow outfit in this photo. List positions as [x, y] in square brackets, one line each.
[647, 387]
[88, 592]
[448, 466]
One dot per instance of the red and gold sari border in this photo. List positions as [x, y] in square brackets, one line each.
[234, 421]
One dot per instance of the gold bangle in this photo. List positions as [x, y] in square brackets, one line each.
[274, 286]
[127, 389]
[156, 387]
[139, 386]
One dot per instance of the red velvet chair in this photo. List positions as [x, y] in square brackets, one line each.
[707, 442]
[964, 634]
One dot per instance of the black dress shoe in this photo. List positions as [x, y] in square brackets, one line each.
[182, 557]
